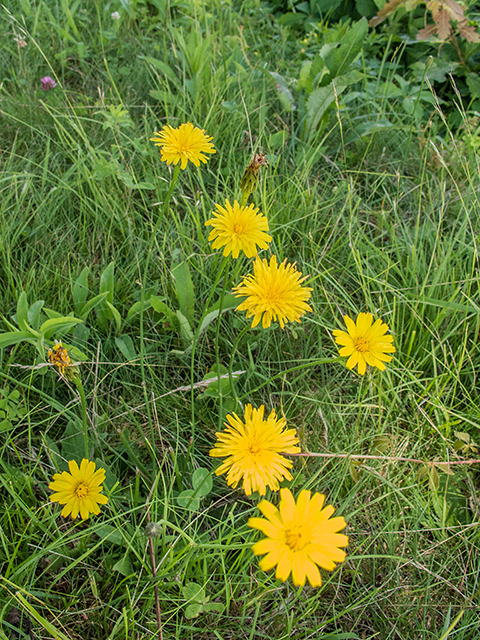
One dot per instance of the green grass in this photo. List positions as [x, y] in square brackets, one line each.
[383, 224]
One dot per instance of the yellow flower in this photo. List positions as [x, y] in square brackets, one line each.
[253, 450]
[365, 343]
[79, 490]
[275, 292]
[59, 357]
[183, 144]
[238, 229]
[300, 536]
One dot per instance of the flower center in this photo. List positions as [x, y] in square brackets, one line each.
[296, 539]
[361, 345]
[238, 229]
[81, 491]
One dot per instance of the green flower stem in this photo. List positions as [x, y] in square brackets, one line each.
[230, 364]
[217, 353]
[81, 391]
[194, 346]
[244, 199]
[144, 286]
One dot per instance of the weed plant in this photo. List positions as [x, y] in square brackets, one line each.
[385, 222]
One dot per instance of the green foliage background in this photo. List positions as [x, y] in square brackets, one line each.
[372, 189]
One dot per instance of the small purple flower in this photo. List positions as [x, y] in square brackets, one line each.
[48, 83]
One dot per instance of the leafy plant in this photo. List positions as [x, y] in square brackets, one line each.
[197, 601]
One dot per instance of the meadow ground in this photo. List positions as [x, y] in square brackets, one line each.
[384, 223]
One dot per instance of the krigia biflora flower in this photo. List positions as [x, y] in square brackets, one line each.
[300, 537]
[365, 343]
[273, 292]
[80, 490]
[253, 450]
[238, 228]
[183, 144]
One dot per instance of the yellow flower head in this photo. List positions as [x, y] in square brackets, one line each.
[364, 343]
[300, 536]
[238, 229]
[253, 450]
[79, 490]
[274, 292]
[183, 144]
[59, 357]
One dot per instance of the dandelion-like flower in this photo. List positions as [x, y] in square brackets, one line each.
[254, 450]
[80, 490]
[238, 229]
[183, 144]
[274, 292]
[47, 83]
[300, 536]
[364, 343]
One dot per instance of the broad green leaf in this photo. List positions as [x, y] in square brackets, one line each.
[49, 327]
[22, 311]
[126, 346]
[186, 333]
[229, 302]
[163, 67]
[183, 286]
[160, 307]
[193, 591]
[338, 59]
[14, 337]
[124, 566]
[108, 533]
[91, 304]
[116, 315]
[107, 284]
[34, 313]
[80, 290]
[193, 610]
[202, 481]
[322, 98]
[187, 501]
[135, 308]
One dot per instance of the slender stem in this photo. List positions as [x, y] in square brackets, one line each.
[217, 353]
[194, 346]
[244, 199]
[81, 391]
[230, 364]
[144, 286]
